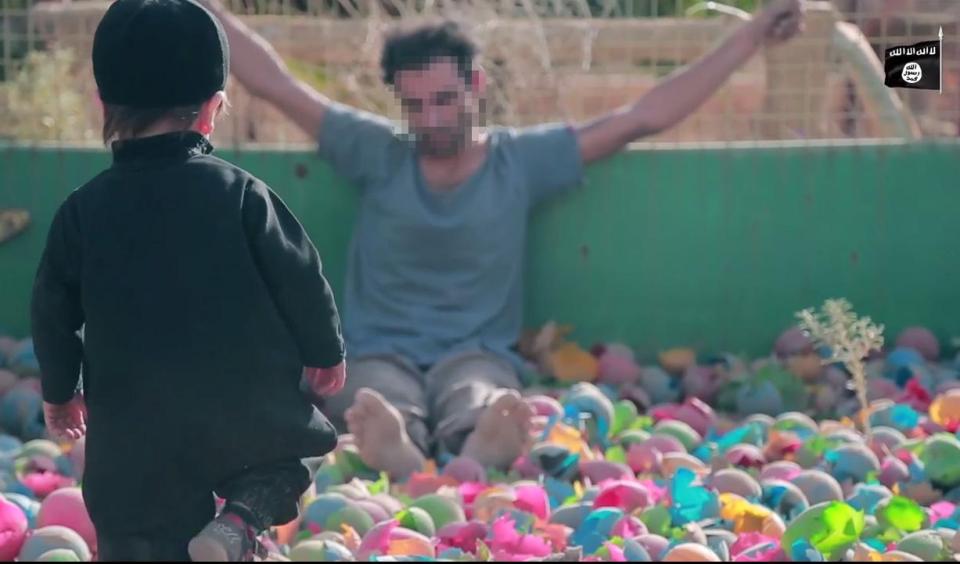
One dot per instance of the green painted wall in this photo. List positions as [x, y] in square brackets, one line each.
[707, 247]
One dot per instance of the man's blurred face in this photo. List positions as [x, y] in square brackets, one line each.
[438, 105]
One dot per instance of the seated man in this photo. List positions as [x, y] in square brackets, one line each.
[435, 280]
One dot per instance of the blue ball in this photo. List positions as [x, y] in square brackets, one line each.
[901, 364]
[25, 358]
[322, 508]
[866, 497]
[10, 446]
[18, 408]
[18, 487]
[30, 507]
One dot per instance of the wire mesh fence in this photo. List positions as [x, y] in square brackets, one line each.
[546, 59]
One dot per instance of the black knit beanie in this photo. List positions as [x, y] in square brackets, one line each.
[155, 54]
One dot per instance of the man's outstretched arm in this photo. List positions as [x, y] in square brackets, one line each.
[263, 73]
[679, 95]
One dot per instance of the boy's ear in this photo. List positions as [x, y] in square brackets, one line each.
[206, 119]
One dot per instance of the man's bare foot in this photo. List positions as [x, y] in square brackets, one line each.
[380, 436]
[502, 433]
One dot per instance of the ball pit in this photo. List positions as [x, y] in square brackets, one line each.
[693, 458]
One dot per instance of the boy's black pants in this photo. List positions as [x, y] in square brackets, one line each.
[271, 493]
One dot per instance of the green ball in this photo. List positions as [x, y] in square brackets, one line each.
[59, 555]
[941, 460]
[831, 528]
[320, 551]
[41, 447]
[418, 520]
[658, 520]
[358, 519]
[441, 509]
[633, 437]
[681, 431]
[926, 544]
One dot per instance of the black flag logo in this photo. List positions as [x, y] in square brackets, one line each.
[914, 66]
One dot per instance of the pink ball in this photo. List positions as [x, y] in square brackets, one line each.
[13, 530]
[526, 468]
[893, 471]
[701, 382]
[66, 508]
[698, 415]
[782, 470]
[7, 381]
[463, 469]
[882, 388]
[746, 456]
[8, 346]
[791, 342]
[545, 406]
[921, 340]
[618, 368]
[374, 510]
[655, 545]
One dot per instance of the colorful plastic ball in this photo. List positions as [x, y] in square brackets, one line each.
[737, 482]
[316, 514]
[690, 552]
[785, 498]
[24, 359]
[13, 530]
[418, 520]
[929, 545]
[46, 539]
[866, 497]
[921, 340]
[10, 446]
[389, 539]
[464, 469]
[7, 381]
[853, 462]
[59, 555]
[20, 407]
[941, 460]
[373, 509]
[352, 515]
[441, 509]
[945, 409]
[571, 515]
[320, 551]
[655, 545]
[545, 406]
[681, 431]
[659, 386]
[746, 456]
[791, 342]
[759, 397]
[66, 507]
[8, 345]
[818, 487]
[893, 471]
[29, 506]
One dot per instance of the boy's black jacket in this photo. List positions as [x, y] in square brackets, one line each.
[201, 298]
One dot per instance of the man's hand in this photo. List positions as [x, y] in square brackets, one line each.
[68, 420]
[779, 21]
[326, 381]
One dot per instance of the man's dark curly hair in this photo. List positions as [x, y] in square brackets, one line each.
[408, 49]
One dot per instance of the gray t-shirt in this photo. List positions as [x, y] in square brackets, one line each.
[432, 274]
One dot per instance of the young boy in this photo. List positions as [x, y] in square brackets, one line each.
[201, 300]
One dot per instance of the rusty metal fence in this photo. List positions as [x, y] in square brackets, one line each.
[547, 60]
